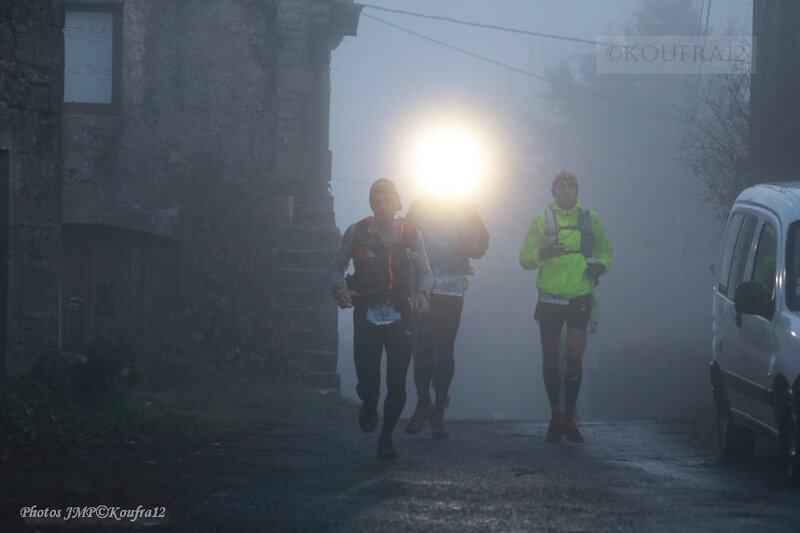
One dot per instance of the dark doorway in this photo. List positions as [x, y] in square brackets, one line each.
[117, 283]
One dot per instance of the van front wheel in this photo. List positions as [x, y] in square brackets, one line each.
[735, 441]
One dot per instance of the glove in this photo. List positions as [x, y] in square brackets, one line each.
[554, 250]
[595, 270]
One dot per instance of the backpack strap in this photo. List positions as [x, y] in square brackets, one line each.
[587, 235]
[584, 225]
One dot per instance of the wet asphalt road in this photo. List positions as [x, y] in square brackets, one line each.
[489, 476]
[501, 476]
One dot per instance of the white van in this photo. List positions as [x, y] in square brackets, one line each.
[756, 323]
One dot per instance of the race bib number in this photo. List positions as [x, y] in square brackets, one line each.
[449, 285]
[382, 314]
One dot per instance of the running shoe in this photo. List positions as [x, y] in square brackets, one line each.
[368, 416]
[421, 415]
[386, 449]
[569, 428]
[554, 431]
[440, 430]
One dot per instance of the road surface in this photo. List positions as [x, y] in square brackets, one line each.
[489, 476]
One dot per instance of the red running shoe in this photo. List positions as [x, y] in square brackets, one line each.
[569, 428]
[421, 415]
[554, 431]
[440, 430]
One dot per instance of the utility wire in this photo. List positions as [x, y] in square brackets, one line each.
[695, 81]
[481, 25]
[365, 182]
[526, 72]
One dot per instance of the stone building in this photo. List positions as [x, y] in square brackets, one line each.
[31, 89]
[131, 128]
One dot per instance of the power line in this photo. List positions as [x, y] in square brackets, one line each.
[708, 17]
[526, 72]
[481, 25]
[699, 20]
[364, 182]
[695, 81]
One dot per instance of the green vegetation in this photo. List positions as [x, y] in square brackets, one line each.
[231, 405]
[41, 415]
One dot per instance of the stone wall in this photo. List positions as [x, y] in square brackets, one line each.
[224, 123]
[221, 131]
[31, 95]
[197, 85]
[307, 236]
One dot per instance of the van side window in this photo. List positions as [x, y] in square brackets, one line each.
[741, 251]
[731, 232]
[793, 267]
[764, 264]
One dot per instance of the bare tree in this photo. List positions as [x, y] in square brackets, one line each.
[718, 148]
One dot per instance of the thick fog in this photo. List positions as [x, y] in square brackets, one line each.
[624, 141]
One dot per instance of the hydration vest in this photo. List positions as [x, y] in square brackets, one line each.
[382, 273]
[551, 229]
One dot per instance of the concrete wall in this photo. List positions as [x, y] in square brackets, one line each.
[31, 95]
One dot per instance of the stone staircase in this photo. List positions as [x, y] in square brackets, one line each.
[303, 252]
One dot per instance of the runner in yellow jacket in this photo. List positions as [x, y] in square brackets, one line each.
[570, 248]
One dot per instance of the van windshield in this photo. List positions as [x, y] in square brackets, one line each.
[793, 267]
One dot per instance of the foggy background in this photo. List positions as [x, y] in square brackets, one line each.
[651, 352]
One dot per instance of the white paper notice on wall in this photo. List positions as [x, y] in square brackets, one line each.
[88, 57]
